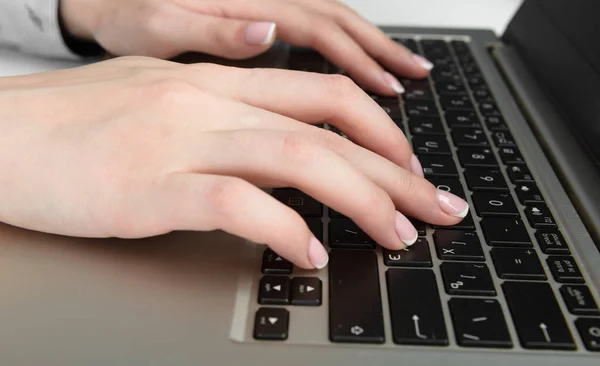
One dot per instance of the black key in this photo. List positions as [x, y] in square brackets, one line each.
[472, 279]
[440, 60]
[494, 204]
[271, 324]
[409, 43]
[485, 180]
[445, 74]
[430, 44]
[460, 47]
[306, 60]
[537, 316]
[478, 157]
[482, 94]
[589, 329]
[479, 323]
[539, 217]
[420, 108]
[470, 68]
[419, 226]
[416, 93]
[465, 59]
[564, 269]
[395, 113]
[518, 264]
[489, 109]
[462, 119]
[469, 137]
[459, 102]
[274, 290]
[306, 291]
[511, 155]
[438, 165]
[316, 226]
[466, 224]
[418, 318]
[476, 81]
[431, 145]
[426, 126]
[416, 255]
[503, 139]
[299, 201]
[344, 233]
[385, 101]
[495, 123]
[447, 184]
[529, 193]
[409, 84]
[273, 263]
[579, 300]
[552, 242]
[450, 88]
[501, 232]
[355, 311]
[519, 173]
[458, 245]
[334, 213]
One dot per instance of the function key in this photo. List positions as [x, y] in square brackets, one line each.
[489, 109]
[344, 233]
[477, 157]
[299, 201]
[501, 232]
[511, 155]
[552, 242]
[273, 263]
[426, 126]
[469, 137]
[529, 193]
[539, 217]
[451, 185]
[485, 180]
[519, 173]
[409, 43]
[564, 269]
[589, 329]
[274, 290]
[421, 108]
[466, 224]
[458, 245]
[456, 102]
[479, 323]
[470, 279]
[438, 165]
[518, 264]
[306, 291]
[462, 119]
[271, 324]
[503, 139]
[417, 255]
[494, 204]
[579, 300]
[450, 88]
[431, 145]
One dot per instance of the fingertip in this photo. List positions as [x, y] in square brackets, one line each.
[260, 33]
[317, 254]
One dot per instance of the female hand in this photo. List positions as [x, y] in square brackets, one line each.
[241, 28]
[135, 147]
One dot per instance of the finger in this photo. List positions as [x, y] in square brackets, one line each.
[207, 202]
[297, 161]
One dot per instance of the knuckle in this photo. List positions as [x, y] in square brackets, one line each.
[341, 87]
[226, 193]
[407, 183]
[299, 149]
[381, 203]
[171, 92]
[332, 141]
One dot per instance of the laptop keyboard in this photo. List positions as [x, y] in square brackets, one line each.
[492, 269]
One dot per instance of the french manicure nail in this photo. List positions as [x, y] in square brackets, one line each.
[415, 166]
[405, 229]
[451, 204]
[317, 254]
[259, 33]
[424, 63]
[393, 82]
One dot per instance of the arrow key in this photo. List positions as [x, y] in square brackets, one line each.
[306, 291]
[274, 290]
[271, 324]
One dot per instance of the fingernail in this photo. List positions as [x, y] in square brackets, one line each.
[424, 63]
[451, 204]
[259, 33]
[317, 254]
[415, 166]
[405, 229]
[393, 82]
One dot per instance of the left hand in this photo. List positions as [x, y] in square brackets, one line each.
[244, 28]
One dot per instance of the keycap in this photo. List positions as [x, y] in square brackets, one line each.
[459, 102]
[458, 245]
[537, 316]
[416, 93]
[420, 108]
[466, 224]
[503, 139]
[477, 157]
[395, 113]
[445, 74]
[485, 180]
[476, 81]
[450, 88]
[409, 43]
[519, 173]
[426, 126]
[470, 68]
[344, 233]
[431, 145]
[355, 310]
[417, 255]
[471, 279]
[438, 165]
[528, 193]
[419, 226]
[564, 269]
[274, 290]
[495, 123]
[448, 184]
[494, 204]
[440, 60]
[271, 324]
[306, 291]
[540, 217]
[469, 137]
[462, 119]
[385, 100]
[552, 242]
[505, 232]
[479, 323]
[589, 329]
[511, 155]
[299, 201]
[316, 227]
[579, 300]
[416, 319]
[460, 47]
[272, 263]
[431, 44]
[518, 264]
[482, 94]
[489, 109]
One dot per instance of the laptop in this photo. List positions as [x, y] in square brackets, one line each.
[510, 124]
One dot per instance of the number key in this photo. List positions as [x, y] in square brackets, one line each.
[431, 145]
[469, 137]
[503, 139]
[462, 119]
[477, 157]
[426, 126]
[451, 185]
[494, 204]
[421, 108]
[438, 165]
[417, 255]
[485, 180]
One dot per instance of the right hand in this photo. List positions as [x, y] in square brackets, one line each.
[136, 147]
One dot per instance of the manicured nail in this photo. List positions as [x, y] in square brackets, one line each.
[415, 166]
[405, 229]
[451, 204]
[393, 82]
[317, 254]
[424, 63]
[259, 33]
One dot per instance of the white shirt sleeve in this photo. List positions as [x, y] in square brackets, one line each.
[32, 26]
